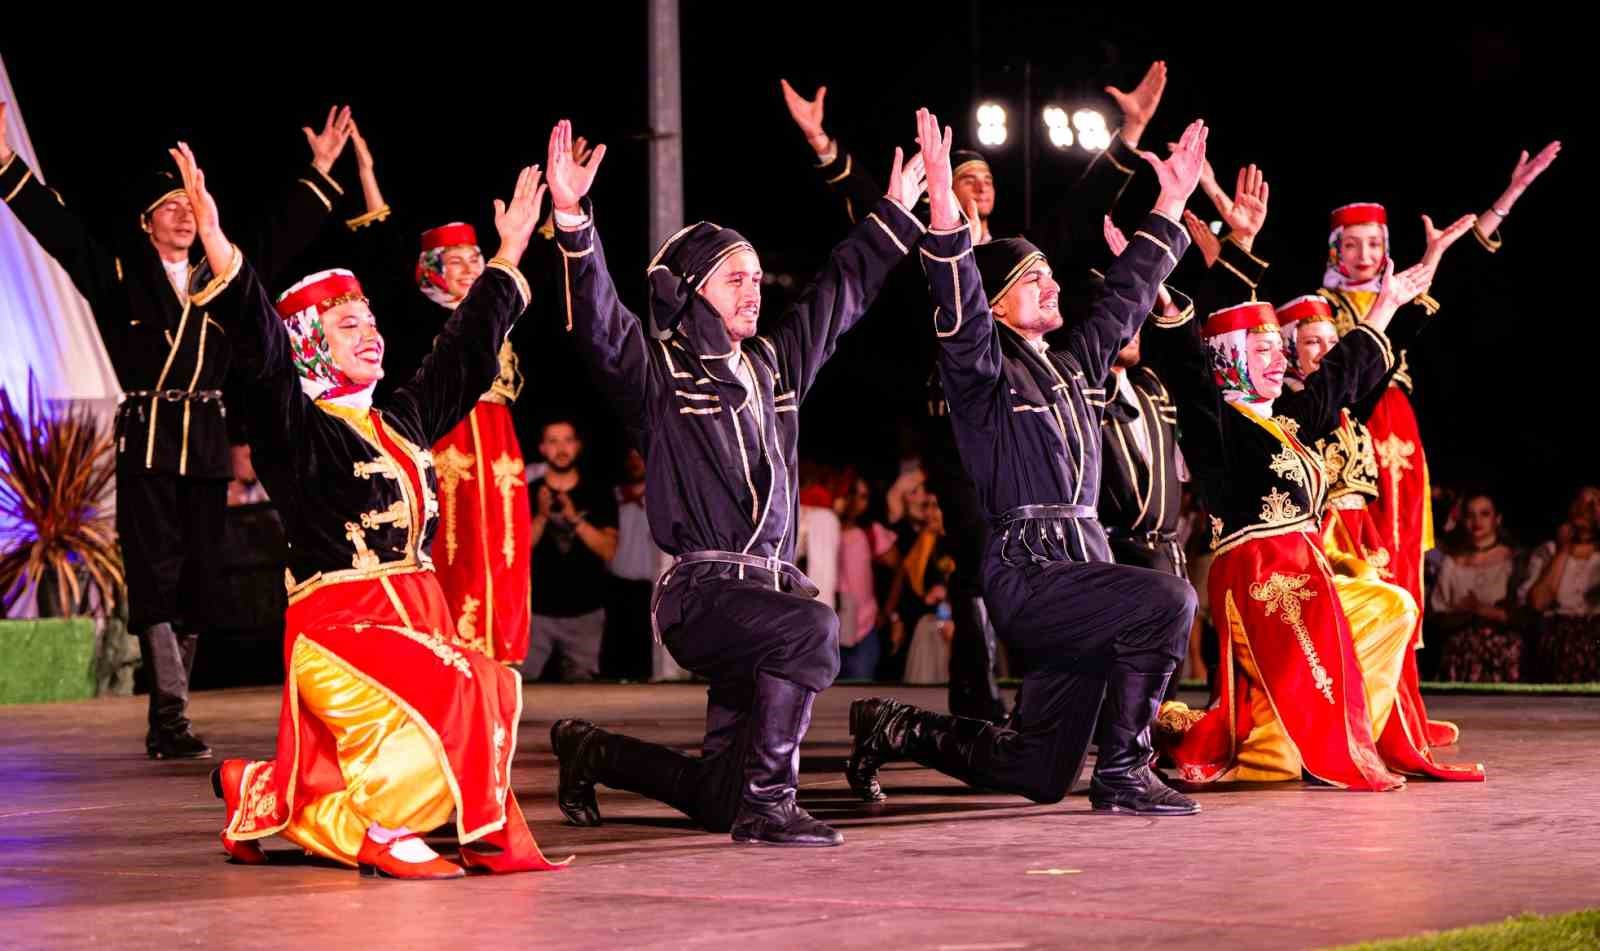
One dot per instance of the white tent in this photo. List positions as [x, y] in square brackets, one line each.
[45, 324]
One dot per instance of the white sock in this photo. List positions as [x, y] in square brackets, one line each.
[384, 836]
[412, 850]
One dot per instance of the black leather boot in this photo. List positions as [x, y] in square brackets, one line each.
[590, 755]
[768, 812]
[886, 730]
[1123, 780]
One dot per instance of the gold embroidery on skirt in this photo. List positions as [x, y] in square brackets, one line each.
[1282, 593]
[454, 467]
[507, 475]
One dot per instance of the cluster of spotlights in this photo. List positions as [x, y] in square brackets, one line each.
[1085, 128]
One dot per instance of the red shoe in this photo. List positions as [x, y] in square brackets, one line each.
[517, 850]
[377, 859]
[226, 783]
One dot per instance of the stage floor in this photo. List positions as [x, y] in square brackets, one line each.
[99, 845]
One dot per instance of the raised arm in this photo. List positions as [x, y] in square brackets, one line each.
[1488, 225]
[1361, 361]
[805, 337]
[465, 357]
[845, 178]
[92, 266]
[261, 368]
[1134, 279]
[969, 350]
[609, 336]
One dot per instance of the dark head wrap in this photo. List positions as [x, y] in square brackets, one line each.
[961, 158]
[151, 189]
[683, 264]
[1002, 262]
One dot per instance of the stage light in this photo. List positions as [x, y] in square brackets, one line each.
[991, 124]
[1093, 136]
[1056, 127]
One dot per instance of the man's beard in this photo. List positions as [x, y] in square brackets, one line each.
[563, 469]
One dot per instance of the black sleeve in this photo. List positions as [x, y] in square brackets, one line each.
[1070, 230]
[1348, 372]
[466, 355]
[291, 223]
[850, 183]
[263, 386]
[1125, 297]
[93, 267]
[803, 339]
[1174, 350]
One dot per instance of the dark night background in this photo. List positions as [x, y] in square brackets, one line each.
[1424, 117]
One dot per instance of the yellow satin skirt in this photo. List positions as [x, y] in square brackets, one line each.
[1381, 617]
[391, 775]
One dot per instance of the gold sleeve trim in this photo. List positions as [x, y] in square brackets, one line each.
[371, 217]
[1491, 243]
[873, 217]
[20, 182]
[329, 179]
[934, 257]
[318, 192]
[1237, 273]
[516, 275]
[842, 175]
[7, 166]
[907, 212]
[1429, 304]
[1230, 239]
[1383, 344]
[220, 282]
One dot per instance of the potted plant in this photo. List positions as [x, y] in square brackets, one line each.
[58, 546]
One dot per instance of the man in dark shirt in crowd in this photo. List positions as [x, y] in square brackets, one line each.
[574, 536]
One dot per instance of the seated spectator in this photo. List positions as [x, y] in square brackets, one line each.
[1563, 586]
[1470, 604]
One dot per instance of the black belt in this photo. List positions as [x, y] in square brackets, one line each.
[173, 396]
[1024, 513]
[777, 566]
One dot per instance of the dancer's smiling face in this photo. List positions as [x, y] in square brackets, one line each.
[354, 341]
[734, 291]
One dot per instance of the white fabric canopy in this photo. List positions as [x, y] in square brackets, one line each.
[45, 324]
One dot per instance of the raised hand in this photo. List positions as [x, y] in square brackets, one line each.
[515, 222]
[1179, 173]
[1247, 212]
[207, 222]
[1139, 106]
[807, 114]
[206, 218]
[1526, 171]
[1115, 239]
[944, 210]
[907, 182]
[1201, 236]
[569, 180]
[1440, 241]
[327, 145]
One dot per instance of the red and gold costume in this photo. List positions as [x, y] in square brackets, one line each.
[1401, 512]
[388, 717]
[481, 553]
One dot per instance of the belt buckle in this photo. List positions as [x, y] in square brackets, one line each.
[774, 565]
[172, 396]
